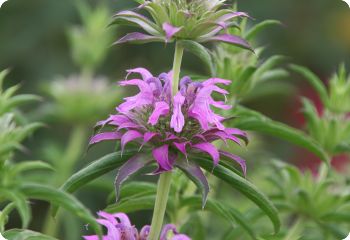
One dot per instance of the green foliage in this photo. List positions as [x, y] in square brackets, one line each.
[15, 189]
[247, 70]
[180, 207]
[23, 234]
[331, 129]
[115, 160]
[90, 42]
[319, 202]
[255, 121]
[80, 99]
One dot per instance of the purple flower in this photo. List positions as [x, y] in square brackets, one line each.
[174, 127]
[119, 228]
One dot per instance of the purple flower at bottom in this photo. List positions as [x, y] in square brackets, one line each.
[119, 228]
[174, 127]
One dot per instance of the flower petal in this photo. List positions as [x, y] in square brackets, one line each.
[160, 109]
[180, 237]
[165, 231]
[145, 232]
[210, 149]
[105, 137]
[108, 216]
[177, 119]
[132, 166]
[112, 231]
[123, 219]
[145, 74]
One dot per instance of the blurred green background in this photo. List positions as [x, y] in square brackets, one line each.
[34, 44]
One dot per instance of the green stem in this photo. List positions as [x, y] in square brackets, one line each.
[160, 205]
[179, 50]
[65, 167]
[165, 178]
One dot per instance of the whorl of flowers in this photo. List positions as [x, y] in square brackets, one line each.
[174, 126]
[119, 228]
[200, 21]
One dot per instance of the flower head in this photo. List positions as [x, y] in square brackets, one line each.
[119, 228]
[197, 20]
[174, 126]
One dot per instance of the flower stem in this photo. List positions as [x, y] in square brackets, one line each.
[179, 50]
[160, 205]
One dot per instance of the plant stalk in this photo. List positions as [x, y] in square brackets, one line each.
[164, 182]
[179, 50]
[163, 189]
[65, 167]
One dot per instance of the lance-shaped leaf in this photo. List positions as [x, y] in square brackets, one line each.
[133, 165]
[63, 199]
[222, 210]
[251, 34]
[31, 165]
[94, 170]
[194, 173]
[20, 202]
[138, 38]
[132, 205]
[243, 186]
[200, 51]
[231, 39]
[24, 234]
[315, 81]
[255, 121]
[132, 18]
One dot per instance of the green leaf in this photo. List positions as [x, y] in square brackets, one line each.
[268, 65]
[132, 205]
[94, 170]
[254, 121]
[30, 165]
[63, 199]
[21, 204]
[337, 217]
[251, 34]
[135, 188]
[21, 99]
[315, 81]
[24, 234]
[222, 210]
[200, 51]
[243, 186]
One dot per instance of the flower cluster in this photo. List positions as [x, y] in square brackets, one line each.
[200, 21]
[174, 126]
[119, 228]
